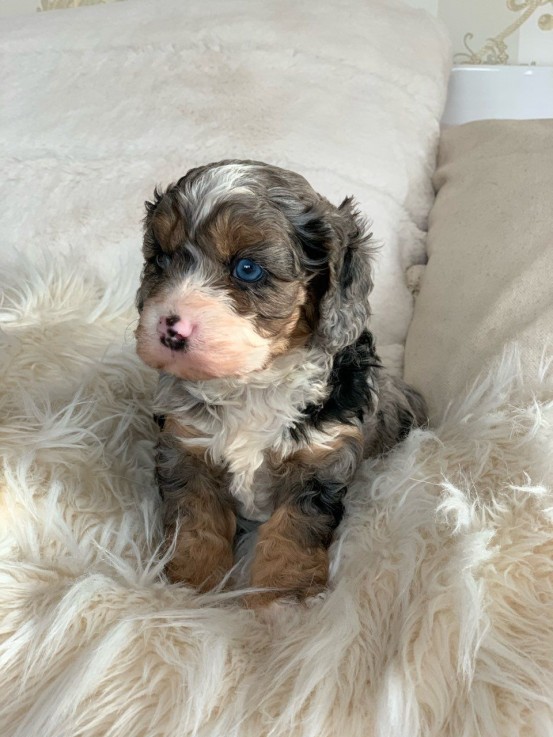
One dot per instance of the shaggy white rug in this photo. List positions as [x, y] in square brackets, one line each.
[438, 621]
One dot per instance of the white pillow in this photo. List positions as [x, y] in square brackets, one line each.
[105, 102]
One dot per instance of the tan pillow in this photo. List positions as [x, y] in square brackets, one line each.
[489, 278]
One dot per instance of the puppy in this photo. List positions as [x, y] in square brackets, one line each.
[254, 308]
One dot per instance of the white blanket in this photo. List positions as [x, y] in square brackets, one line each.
[437, 622]
[102, 103]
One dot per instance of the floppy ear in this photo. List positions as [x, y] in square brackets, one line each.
[344, 308]
[336, 247]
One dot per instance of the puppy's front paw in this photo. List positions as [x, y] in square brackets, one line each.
[201, 561]
[286, 571]
[308, 596]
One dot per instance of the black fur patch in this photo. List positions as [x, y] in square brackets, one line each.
[347, 273]
[313, 234]
[160, 421]
[323, 499]
[350, 394]
[407, 421]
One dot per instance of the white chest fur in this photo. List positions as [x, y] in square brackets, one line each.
[238, 421]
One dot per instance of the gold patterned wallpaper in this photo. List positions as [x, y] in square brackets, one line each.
[482, 31]
[496, 31]
[496, 50]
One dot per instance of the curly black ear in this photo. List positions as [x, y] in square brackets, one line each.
[344, 308]
[336, 247]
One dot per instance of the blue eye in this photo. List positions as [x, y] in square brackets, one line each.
[247, 270]
[163, 260]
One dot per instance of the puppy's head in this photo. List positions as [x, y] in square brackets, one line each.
[244, 262]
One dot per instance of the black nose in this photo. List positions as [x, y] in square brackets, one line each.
[174, 341]
[170, 337]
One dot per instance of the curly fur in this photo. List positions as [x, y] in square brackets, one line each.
[286, 436]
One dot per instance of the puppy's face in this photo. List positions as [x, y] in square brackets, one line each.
[238, 257]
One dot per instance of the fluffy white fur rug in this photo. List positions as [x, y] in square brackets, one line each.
[438, 621]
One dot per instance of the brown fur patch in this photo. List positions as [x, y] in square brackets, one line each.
[230, 234]
[187, 433]
[168, 225]
[317, 453]
[286, 559]
[293, 332]
[205, 534]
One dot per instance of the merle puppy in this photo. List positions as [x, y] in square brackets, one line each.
[254, 308]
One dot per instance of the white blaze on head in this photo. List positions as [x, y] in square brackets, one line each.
[212, 186]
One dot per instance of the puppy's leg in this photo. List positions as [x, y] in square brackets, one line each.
[199, 512]
[399, 408]
[291, 554]
[205, 531]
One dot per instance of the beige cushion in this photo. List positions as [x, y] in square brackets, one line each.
[489, 278]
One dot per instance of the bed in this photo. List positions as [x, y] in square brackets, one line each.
[437, 620]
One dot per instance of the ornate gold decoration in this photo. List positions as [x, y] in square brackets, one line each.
[495, 49]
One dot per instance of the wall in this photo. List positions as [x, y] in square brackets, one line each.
[20, 7]
[482, 31]
[496, 31]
